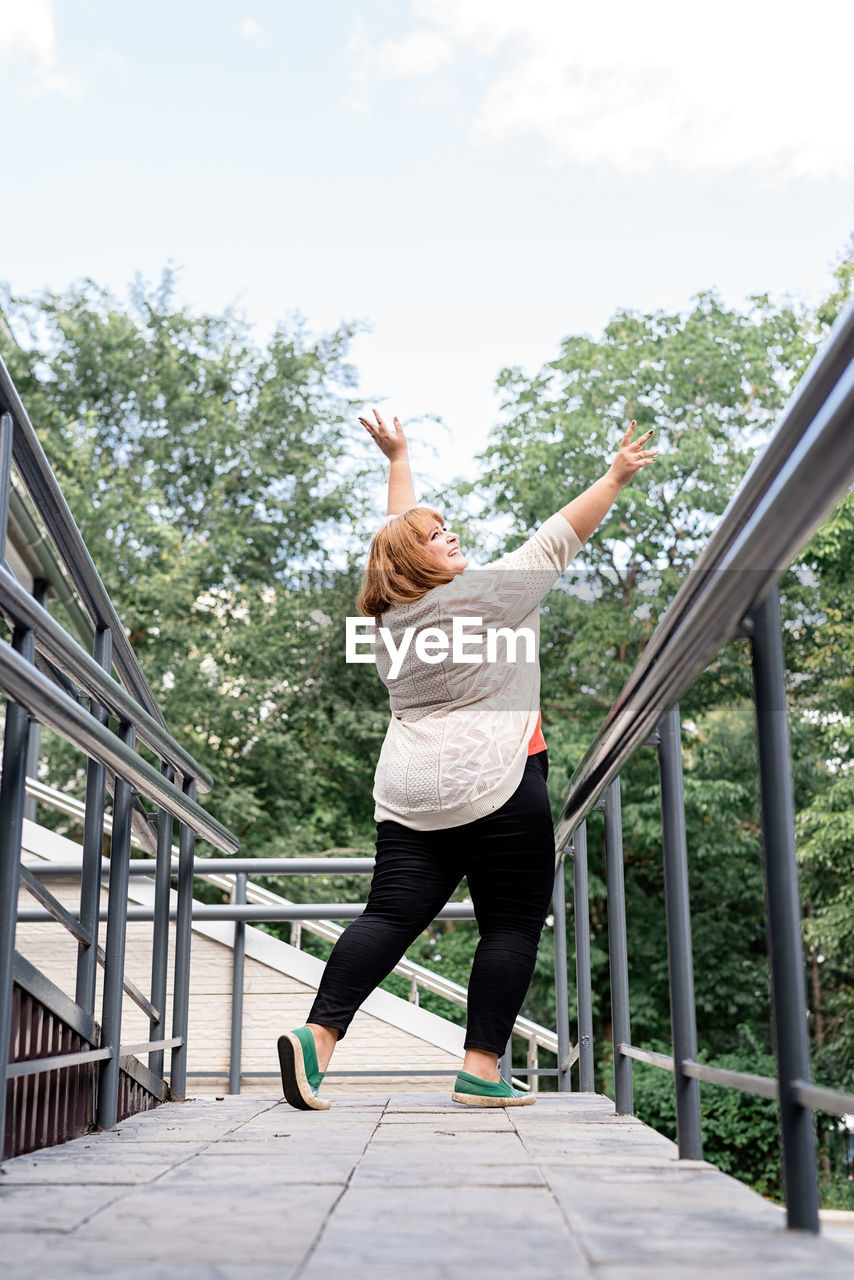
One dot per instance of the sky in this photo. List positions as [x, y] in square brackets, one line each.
[471, 180]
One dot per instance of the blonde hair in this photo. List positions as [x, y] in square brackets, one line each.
[398, 571]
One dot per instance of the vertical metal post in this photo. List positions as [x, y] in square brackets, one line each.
[533, 1064]
[160, 939]
[618, 949]
[40, 594]
[7, 439]
[234, 1062]
[114, 946]
[12, 791]
[784, 915]
[183, 938]
[505, 1062]
[93, 840]
[683, 1019]
[583, 981]
[564, 1079]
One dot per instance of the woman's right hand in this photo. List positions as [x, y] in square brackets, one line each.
[631, 457]
[391, 443]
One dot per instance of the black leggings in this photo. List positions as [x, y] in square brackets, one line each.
[509, 860]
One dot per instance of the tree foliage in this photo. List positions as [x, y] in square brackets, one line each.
[213, 479]
[711, 383]
[740, 1132]
[823, 701]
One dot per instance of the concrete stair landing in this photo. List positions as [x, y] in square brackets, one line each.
[394, 1187]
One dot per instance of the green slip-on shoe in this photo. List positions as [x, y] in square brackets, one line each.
[474, 1092]
[301, 1077]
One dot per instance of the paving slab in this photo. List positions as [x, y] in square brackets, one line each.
[352, 1136]
[27, 1207]
[648, 1190]
[503, 1144]
[362, 1101]
[434, 1171]
[518, 1231]
[403, 1187]
[253, 1171]
[51, 1268]
[124, 1165]
[295, 1144]
[18, 1249]
[404, 1157]
[204, 1225]
[838, 1224]
[282, 1125]
[823, 1269]
[418, 1103]
[195, 1131]
[478, 1118]
[590, 1154]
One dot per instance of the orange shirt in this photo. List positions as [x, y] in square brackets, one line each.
[538, 742]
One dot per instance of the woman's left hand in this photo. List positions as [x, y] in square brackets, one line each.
[632, 456]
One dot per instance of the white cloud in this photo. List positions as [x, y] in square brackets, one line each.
[362, 57]
[742, 85]
[250, 29]
[422, 53]
[28, 43]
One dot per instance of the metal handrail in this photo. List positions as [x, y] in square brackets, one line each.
[65, 653]
[805, 470]
[42, 486]
[419, 974]
[38, 546]
[230, 911]
[47, 678]
[303, 912]
[220, 873]
[53, 707]
[809, 1095]
[803, 473]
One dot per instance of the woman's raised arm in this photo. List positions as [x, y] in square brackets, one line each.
[586, 512]
[401, 491]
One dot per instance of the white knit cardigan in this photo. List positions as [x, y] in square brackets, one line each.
[457, 743]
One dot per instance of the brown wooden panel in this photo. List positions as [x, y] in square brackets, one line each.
[55, 1106]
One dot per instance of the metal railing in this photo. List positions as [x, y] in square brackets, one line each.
[796, 482]
[48, 678]
[232, 875]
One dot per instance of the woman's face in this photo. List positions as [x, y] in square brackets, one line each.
[443, 548]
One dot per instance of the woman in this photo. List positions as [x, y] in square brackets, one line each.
[460, 786]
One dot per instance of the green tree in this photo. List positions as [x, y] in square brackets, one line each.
[213, 480]
[823, 702]
[710, 383]
[740, 1131]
